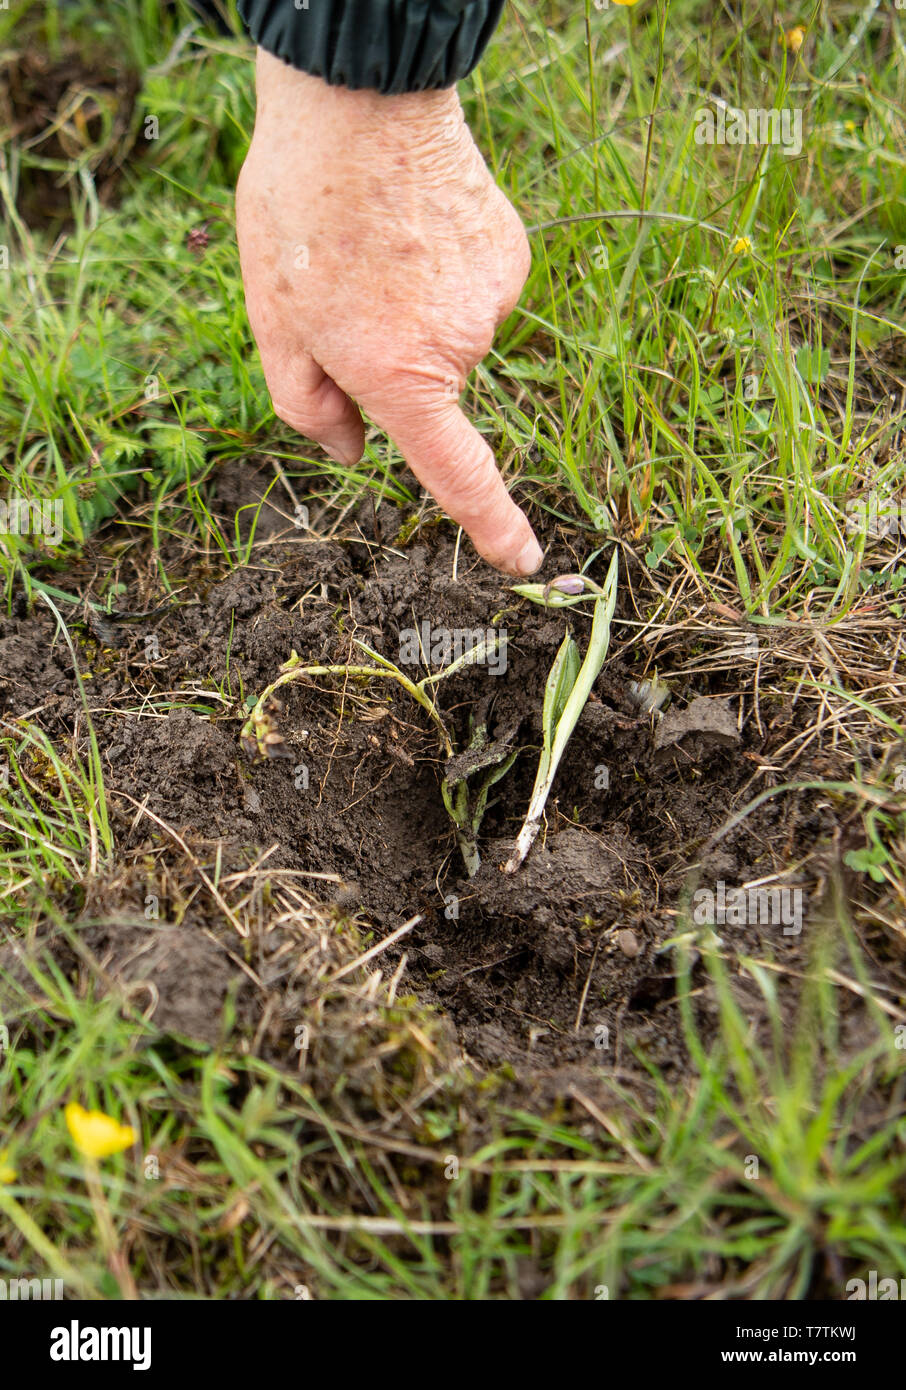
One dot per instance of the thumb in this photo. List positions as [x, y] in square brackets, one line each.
[452, 460]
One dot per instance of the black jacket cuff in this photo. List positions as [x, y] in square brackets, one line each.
[386, 45]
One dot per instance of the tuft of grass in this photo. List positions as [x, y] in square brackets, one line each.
[769, 1174]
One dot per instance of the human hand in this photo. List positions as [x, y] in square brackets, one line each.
[379, 257]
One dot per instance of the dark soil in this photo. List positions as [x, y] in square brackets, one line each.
[66, 114]
[526, 968]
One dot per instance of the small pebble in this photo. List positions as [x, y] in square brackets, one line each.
[628, 942]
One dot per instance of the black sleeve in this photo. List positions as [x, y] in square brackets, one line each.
[386, 45]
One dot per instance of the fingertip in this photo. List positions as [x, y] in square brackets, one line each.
[346, 447]
[348, 457]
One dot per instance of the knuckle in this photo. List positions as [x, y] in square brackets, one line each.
[331, 407]
[304, 406]
[299, 417]
[517, 264]
[478, 336]
[520, 252]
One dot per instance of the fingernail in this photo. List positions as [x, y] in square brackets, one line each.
[529, 557]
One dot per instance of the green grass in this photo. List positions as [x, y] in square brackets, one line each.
[723, 387]
[714, 407]
[242, 1151]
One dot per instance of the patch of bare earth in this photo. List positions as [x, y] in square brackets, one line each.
[258, 881]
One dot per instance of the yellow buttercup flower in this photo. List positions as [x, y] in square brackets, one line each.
[793, 38]
[95, 1134]
[741, 246]
[7, 1171]
[624, 2]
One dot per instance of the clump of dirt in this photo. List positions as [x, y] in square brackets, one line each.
[531, 970]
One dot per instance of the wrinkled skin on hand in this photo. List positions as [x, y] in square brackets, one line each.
[379, 257]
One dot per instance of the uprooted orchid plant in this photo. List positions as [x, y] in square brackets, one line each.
[568, 687]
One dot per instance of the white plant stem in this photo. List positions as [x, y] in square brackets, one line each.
[558, 730]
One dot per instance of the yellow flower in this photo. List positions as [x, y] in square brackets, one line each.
[95, 1134]
[741, 245]
[7, 1171]
[624, 2]
[793, 38]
